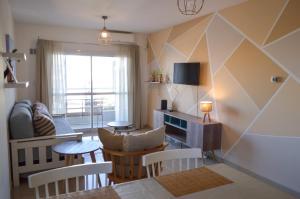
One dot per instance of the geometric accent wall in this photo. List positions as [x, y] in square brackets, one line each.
[239, 49]
[288, 21]
[281, 114]
[286, 52]
[221, 47]
[260, 14]
[253, 70]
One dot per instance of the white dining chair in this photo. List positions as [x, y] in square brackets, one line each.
[65, 173]
[153, 161]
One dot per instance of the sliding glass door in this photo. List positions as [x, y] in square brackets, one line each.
[97, 91]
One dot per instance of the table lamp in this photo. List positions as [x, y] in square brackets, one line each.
[206, 107]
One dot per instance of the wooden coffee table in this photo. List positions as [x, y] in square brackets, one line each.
[71, 148]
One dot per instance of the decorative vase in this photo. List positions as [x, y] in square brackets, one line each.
[153, 77]
[161, 78]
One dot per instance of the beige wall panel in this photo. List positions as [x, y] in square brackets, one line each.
[222, 40]
[186, 98]
[154, 65]
[172, 91]
[176, 90]
[157, 41]
[254, 17]
[253, 70]
[156, 94]
[288, 21]
[193, 110]
[152, 103]
[186, 42]
[150, 55]
[287, 52]
[235, 109]
[200, 54]
[150, 108]
[282, 116]
[181, 28]
[163, 93]
[167, 59]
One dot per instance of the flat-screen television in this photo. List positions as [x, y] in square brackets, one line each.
[186, 73]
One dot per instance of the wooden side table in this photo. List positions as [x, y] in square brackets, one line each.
[71, 148]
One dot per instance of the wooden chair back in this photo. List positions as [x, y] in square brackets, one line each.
[65, 173]
[153, 160]
[127, 166]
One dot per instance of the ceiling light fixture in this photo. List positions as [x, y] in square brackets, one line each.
[190, 7]
[104, 35]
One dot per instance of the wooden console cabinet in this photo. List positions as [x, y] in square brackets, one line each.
[189, 130]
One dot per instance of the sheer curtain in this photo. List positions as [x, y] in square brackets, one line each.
[51, 76]
[121, 86]
[59, 81]
[128, 104]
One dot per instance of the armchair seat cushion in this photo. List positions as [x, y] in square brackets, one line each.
[110, 140]
[148, 140]
[126, 151]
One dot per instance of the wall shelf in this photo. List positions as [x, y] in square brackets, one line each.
[16, 85]
[154, 82]
[150, 82]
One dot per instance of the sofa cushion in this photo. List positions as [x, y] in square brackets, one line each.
[24, 105]
[42, 108]
[43, 124]
[110, 140]
[25, 101]
[148, 140]
[20, 122]
[62, 126]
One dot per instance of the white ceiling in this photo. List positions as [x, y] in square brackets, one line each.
[125, 15]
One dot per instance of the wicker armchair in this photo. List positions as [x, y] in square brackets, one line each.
[127, 166]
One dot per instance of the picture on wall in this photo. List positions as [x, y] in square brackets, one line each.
[9, 44]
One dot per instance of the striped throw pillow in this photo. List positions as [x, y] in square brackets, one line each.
[42, 108]
[43, 124]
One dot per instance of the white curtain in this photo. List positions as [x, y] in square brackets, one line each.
[51, 76]
[128, 104]
[59, 81]
[121, 86]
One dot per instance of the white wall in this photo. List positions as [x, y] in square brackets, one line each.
[7, 99]
[27, 35]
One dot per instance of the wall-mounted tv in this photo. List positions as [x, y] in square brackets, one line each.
[186, 73]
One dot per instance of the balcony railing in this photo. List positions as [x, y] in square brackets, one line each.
[87, 110]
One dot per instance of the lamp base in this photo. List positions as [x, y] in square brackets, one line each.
[204, 117]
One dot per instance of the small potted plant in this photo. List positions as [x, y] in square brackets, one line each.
[153, 76]
[160, 75]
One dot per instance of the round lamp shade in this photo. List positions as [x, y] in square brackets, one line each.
[206, 106]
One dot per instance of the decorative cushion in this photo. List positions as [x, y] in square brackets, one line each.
[42, 108]
[110, 140]
[20, 122]
[148, 140]
[43, 124]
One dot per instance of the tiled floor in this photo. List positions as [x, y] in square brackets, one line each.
[23, 192]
